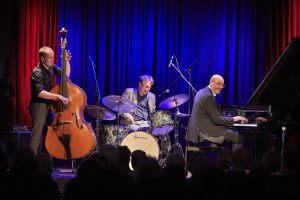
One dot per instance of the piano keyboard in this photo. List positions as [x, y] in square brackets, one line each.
[245, 125]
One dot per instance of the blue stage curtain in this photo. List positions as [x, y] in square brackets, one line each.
[128, 38]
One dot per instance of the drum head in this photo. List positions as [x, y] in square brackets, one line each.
[141, 141]
[162, 122]
[163, 130]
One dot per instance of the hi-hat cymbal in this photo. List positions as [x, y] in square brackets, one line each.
[174, 101]
[103, 113]
[119, 104]
[179, 114]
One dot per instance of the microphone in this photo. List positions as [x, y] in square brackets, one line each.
[170, 63]
[164, 92]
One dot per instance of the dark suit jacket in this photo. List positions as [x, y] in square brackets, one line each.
[206, 117]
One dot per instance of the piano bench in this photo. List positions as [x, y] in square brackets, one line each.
[204, 146]
[209, 148]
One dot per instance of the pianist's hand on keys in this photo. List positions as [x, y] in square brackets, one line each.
[260, 119]
[240, 119]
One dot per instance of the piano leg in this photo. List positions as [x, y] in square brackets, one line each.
[257, 146]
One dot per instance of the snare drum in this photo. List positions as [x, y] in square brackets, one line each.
[141, 141]
[162, 122]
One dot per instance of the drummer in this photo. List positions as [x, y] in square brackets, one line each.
[139, 120]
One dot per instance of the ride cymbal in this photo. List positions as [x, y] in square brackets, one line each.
[174, 101]
[103, 113]
[119, 104]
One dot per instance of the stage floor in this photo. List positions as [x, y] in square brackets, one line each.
[62, 176]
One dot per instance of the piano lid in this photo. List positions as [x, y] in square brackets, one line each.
[282, 84]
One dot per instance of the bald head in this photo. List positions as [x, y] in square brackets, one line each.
[216, 77]
[216, 83]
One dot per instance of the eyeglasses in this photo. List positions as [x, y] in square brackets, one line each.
[219, 84]
[145, 86]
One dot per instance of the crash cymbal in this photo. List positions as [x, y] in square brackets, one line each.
[179, 114]
[103, 113]
[119, 104]
[174, 101]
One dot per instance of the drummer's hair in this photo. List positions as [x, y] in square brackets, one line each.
[146, 78]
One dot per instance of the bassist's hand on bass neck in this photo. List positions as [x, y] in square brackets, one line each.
[63, 99]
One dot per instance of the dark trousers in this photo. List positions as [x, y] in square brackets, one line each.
[39, 114]
[229, 135]
[234, 137]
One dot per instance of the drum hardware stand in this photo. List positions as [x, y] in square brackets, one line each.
[118, 134]
[98, 98]
[176, 147]
[163, 143]
[97, 125]
[162, 161]
[160, 139]
[118, 125]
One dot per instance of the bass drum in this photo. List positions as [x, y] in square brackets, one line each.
[141, 141]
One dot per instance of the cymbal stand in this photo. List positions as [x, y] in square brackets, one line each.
[98, 98]
[118, 140]
[176, 147]
[118, 125]
[97, 128]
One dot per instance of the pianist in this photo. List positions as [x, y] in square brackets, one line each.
[207, 122]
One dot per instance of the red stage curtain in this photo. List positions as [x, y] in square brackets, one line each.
[37, 26]
[284, 24]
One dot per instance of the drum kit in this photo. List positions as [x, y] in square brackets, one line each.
[161, 122]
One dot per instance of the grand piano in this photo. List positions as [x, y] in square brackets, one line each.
[280, 90]
[276, 99]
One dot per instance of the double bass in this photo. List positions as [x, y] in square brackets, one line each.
[69, 136]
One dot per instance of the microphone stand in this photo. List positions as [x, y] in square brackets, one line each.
[282, 150]
[98, 98]
[162, 94]
[190, 87]
[173, 83]
[178, 70]
[188, 70]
